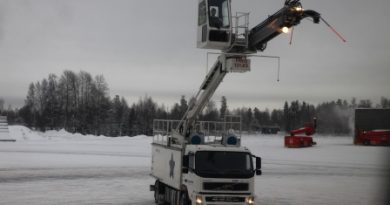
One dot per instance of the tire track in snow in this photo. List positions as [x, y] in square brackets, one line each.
[29, 175]
[113, 154]
[284, 167]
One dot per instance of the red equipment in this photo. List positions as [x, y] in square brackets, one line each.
[372, 126]
[294, 140]
[373, 137]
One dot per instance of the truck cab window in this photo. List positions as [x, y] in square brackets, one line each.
[225, 14]
[249, 164]
[202, 13]
[220, 164]
[218, 13]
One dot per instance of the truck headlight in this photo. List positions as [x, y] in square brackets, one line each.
[285, 29]
[198, 200]
[250, 200]
[298, 8]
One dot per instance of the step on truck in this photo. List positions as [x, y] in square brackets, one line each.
[195, 164]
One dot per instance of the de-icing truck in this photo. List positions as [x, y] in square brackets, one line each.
[216, 172]
[203, 163]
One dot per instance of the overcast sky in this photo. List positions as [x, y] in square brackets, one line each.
[149, 48]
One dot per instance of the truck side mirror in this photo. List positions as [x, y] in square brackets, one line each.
[185, 160]
[184, 170]
[258, 163]
[185, 164]
[258, 172]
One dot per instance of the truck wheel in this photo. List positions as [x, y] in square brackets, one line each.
[156, 192]
[158, 187]
[366, 142]
[184, 200]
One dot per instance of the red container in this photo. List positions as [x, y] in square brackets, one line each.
[298, 141]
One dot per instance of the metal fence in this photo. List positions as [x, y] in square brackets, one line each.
[230, 124]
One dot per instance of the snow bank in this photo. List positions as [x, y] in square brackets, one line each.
[23, 133]
[61, 149]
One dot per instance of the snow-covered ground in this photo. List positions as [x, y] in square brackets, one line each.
[61, 168]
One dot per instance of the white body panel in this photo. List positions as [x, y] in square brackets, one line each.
[167, 164]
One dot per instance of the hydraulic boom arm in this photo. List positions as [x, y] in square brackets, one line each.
[308, 129]
[207, 89]
[290, 15]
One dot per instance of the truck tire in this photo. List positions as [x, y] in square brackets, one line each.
[158, 188]
[184, 199]
[156, 192]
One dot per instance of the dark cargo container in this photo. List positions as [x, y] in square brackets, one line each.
[372, 126]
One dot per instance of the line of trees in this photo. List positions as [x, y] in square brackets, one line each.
[334, 117]
[81, 103]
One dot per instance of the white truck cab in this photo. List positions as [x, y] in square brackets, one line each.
[219, 174]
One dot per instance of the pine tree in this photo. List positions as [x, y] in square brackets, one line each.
[1, 105]
[69, 98]
[224, 108]
[287, 118]
[211, 112]
[52, 109]
[183, 105]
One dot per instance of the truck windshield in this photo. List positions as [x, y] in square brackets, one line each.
[219, 164]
